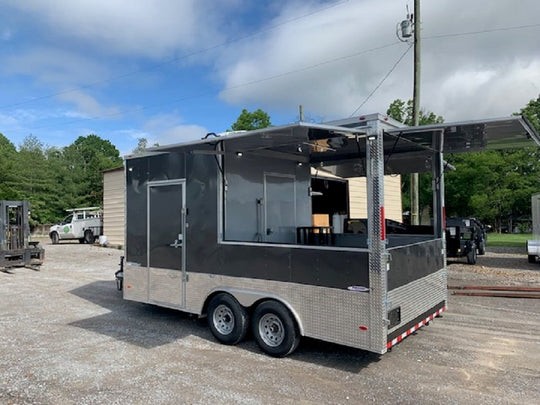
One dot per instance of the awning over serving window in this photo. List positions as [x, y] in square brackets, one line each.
[341, 151]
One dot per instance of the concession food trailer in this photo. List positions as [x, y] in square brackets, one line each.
[227, 227]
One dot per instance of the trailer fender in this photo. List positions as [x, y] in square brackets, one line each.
[248, 298]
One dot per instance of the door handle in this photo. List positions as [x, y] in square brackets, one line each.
[176, 243]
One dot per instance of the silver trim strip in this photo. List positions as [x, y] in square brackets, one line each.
[313, 247]
[414, 244]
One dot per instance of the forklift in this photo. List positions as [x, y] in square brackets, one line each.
[15, 248]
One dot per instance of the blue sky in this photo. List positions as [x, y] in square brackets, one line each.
[172, 70]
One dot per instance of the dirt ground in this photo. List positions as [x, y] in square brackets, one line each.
[67, 337]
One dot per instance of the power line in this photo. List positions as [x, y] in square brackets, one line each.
[231, 41]
[252, 82]
[460, 34]
[176, 59]
[383, 80]
[442, 36]
[262, 79]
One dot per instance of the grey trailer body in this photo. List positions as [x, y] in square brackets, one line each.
[224, 225]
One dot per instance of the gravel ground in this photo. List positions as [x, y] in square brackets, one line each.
[67, 337]
[500, 266]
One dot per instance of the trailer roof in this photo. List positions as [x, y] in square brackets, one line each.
[339, 149]
[265, 137]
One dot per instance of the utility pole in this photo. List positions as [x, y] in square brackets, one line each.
[404, 32]
[415, 214]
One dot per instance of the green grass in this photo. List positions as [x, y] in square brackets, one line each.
[508, 239]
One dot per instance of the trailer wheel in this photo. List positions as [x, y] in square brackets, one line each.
[228, 320]
[532, 258]
[471, 256]
[275, 329]
[55, 238]
[88, 236]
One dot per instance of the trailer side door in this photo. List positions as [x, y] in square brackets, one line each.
[166, 242]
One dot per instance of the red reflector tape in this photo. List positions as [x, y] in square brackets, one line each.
[383, 224]
[399, 338]
[362, 327]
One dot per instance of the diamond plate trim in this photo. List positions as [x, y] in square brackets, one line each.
[377, 256]
[418, 296]
[328, 314]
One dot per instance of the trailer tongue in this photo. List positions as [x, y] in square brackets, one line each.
[253, 231]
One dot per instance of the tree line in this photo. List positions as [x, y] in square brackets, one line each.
[55, 179]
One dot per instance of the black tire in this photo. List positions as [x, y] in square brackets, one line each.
[471, 256]
[532, 259]
[81, 240]
[482, 248]
[55, 239]
[275, 329]
[89, 237]
[228, 320]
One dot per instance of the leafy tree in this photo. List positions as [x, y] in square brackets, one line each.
[54, 179]
[86, 158]
[402, 112]
[495, 186]
[33, 179]
[142, 145]
[532, 112]
[8, 154]
[248, 121]
[66, 189]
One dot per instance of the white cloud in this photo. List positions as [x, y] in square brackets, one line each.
[312, 59]
[21, 118]
[87, 106]
[492, 73]
[143, 27]
[328, 61]
[53, 65]
[166, 129]
[181, 133]
[8, 121]
[487, 94]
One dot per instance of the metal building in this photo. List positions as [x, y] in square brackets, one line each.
[114, 192]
